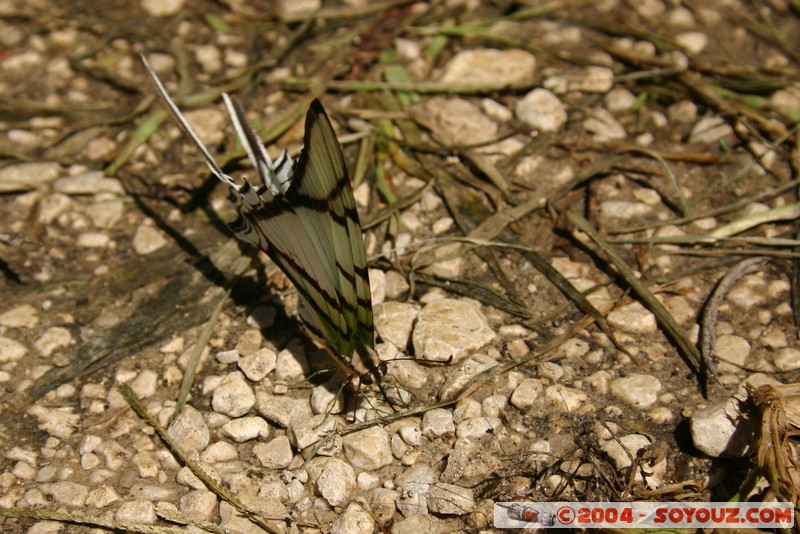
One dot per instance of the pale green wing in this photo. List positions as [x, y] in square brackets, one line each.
[303, 216]
[313, 187]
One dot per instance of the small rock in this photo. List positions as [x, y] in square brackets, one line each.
[637, 390]
[476, 428]
[116, 456]
[394, 322]
[199, 505]
[633, 318]
[411, 434]
[88, 183]
[294, 10]
[335, 481]
[281, 410]
[774, 338]
[66, 493]
[146, 465]
[619, 100]
[624, 448]
[53, 339]
[787, 359]
[233, 397]
[147, 239]
[190, 430]
[250, 341]
[305, 432]
[258, 365]
[354, 520]
[245, 429]
[709, 130]
[208, 123]
[52, 206]
[145, 384]
[408, 373]
[449, 329]
[291, 365]
[27, 176]
[11, 350]
[550, 371]
[450, 500]
[464, 372]
[683, 111]
[228, 356]
[220, 451]
[105, 214]
[624, 209]
[567, 399]
[161, 8]
[438, 422]
[22, 316]
[139, 511]
[526, 393]
[396, 285]
[417, 523]
[58, 422]
[377, 285]
[101, 497]
[484, 66]
[732, 351]
[692, 42]
[603, 126]
[541, 110]
[326, 400]
[93, 240]
[368, 449]
[594, 80]
[627, 447]
[457, 120]
[276, 454]
[722, 431]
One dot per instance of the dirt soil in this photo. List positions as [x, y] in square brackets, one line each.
[578, 196]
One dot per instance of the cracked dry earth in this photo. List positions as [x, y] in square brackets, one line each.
[584, 212]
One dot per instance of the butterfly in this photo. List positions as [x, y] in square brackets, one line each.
[303, 216]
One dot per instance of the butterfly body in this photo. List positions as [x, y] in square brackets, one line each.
[303, 216]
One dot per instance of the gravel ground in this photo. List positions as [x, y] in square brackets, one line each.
[580, 223]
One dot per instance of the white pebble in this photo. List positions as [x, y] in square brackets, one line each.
[259, 364]
[24, 316]
[233, 397]
[139, 511]
[368, 449]
[275, 454]
[437, 422]
[335, 481]
[526, 393]
[245, 429]
[220, 451]
[190, 430]
[638, 390]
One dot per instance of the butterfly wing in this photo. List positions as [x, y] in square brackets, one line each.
[304, 217]
[321, 186]
[299, 230]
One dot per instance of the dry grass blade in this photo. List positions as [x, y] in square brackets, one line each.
[88, 521]
[689, 352]
[199, 472]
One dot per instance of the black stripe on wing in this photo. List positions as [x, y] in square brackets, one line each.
[313, 188]
[303, 258]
